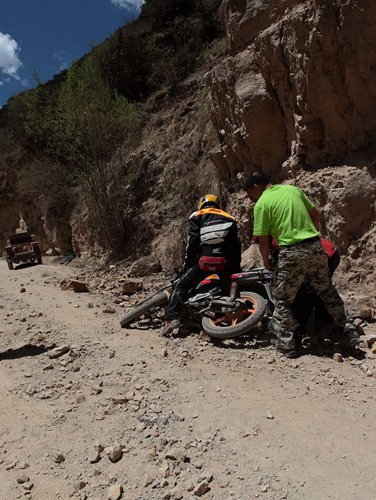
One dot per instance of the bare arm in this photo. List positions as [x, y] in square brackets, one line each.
[315, 216]
[264, 247]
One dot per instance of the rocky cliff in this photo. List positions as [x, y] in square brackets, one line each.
[297, 89]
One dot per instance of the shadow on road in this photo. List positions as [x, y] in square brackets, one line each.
[25, 265]
[260, 339]
[24, 351]
[255, 339]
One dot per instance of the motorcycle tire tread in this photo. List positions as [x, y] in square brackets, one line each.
[228, 332]
[155, 300]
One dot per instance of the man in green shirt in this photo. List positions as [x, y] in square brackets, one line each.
[286, 214]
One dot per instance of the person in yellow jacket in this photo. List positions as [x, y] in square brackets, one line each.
[213, 247]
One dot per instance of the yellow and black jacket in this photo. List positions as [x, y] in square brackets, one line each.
[213, 232]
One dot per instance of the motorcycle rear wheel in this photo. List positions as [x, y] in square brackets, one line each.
[155, 300]
[230, 325]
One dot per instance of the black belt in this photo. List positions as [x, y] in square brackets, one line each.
[308, 240]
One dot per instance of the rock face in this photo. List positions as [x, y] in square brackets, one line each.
[298, 86]
[10, 210]
[346, 197]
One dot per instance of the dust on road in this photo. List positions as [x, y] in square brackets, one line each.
[127, 412]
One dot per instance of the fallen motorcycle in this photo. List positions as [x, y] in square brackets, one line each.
[221, 315]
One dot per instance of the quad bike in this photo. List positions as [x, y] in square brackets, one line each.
[22, 248]
[221, 315]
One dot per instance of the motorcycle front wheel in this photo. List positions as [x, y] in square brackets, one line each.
[229, 325]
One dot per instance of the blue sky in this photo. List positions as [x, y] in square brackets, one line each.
[45, 36]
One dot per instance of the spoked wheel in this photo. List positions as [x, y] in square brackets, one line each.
[229, 325]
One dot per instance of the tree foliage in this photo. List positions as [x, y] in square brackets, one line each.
[162, 47]
[93, 120]
[127, 67]
[10, 157]
[97, 122]
[161, 12]
[78, 134]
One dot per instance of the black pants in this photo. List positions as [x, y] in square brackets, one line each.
[180, 292]
[189, 280]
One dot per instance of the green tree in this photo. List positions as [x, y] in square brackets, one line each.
[128, 64]
[95, 125]
[160, 12]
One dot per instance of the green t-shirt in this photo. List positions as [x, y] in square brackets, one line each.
[282, 212]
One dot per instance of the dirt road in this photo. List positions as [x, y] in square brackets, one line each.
[181, 418]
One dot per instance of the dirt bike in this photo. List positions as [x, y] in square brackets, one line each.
[220, 315]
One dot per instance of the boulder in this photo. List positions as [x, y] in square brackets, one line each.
[251, 258]
[360, 306]
[145, 266]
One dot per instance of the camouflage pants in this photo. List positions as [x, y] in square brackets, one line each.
[303, 261]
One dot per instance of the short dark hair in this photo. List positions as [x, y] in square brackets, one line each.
[256, 178]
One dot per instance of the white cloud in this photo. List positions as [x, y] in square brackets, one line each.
[9, 61]
[6, 80]
[128, 4]
[60, 56]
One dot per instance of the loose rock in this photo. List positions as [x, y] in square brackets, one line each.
[131, 286]
[338, 357]
[115, 492]
[28, 486]
[94, 457]
[114, 453]
[22, 479]
[58, 458]
[201, 489]
[145, 266]
[58, 351]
